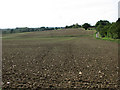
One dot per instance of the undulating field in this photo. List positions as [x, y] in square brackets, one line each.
[69, 58]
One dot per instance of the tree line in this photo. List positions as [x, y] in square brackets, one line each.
[104, 27]
[26, 29]
[85, 26]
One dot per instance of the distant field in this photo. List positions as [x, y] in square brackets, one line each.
[50, 34]
[68, 58]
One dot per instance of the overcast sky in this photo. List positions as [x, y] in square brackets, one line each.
[37, 13]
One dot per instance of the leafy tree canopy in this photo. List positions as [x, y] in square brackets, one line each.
[102, 22]
[86, 26]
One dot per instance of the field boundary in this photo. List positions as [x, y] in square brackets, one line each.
[107, 39]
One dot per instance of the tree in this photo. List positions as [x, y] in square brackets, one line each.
[100, 29]
[102, 22]
[56, 28]
[86, 26]
[12, 30]
[118, 20]
[115, 30]
[76, 25]
[106, 29]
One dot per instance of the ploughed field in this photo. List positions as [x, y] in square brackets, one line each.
[69, 58]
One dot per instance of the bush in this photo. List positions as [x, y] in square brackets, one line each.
[107, 29]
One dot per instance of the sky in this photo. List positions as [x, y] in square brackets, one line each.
[119, 9]
[55, 13]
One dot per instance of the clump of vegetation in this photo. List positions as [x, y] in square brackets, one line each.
[107, 29]
[74, 26]
[86, 26]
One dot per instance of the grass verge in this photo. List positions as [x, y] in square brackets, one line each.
[108, 39]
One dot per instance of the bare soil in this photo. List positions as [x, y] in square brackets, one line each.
[69, 58]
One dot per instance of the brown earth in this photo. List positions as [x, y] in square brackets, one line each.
[69, 58]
